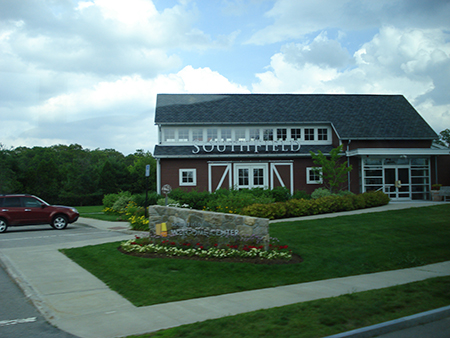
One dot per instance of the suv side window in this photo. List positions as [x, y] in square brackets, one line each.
[30, 202]
[12, 202]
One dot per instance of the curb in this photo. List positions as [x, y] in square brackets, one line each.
[396, 324]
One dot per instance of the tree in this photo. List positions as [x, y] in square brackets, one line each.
[72, 175]
[444, 137]
[8, 179]
[137, 171]
[107, 181]
[332, 169]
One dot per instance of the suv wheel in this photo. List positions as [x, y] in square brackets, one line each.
[59, 222]
[3, 225]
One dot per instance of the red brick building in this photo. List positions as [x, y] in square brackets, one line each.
[209, 141]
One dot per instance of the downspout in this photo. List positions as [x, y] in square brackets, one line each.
[436, 169]
[158, 176]
[348, 164]
[158, 164]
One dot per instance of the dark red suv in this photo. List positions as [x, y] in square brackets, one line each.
[31, 210]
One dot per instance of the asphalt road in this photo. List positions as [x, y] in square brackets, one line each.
[24, 236]
[437, 329]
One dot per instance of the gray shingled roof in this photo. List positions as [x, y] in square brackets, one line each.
[353, 116]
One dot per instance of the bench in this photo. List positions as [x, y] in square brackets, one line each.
[444, 192]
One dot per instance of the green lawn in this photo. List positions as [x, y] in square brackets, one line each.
[333, 247]
[324, 317]
[96, 212]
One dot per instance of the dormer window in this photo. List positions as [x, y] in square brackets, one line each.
[211, 134]
[254, 135]
[183, 135]
[262, 135]
[322, 134]
[296, 133]
[169, 135]
[268, 134]
[240, 134]
[225, 134]
[197, 135]
[281, 134]
[309, 134]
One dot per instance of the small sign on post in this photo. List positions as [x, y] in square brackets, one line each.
[166, 189]
[147, 170]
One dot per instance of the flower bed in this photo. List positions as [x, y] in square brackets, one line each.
[131, 213]
[239, 247]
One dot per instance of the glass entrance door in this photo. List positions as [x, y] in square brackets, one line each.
[397, 182]
[384, 174]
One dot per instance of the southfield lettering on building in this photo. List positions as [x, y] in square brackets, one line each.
[250, 146]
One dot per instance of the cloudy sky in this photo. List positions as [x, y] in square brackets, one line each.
[88, 72]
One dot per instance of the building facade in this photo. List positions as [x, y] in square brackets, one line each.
[209, 141]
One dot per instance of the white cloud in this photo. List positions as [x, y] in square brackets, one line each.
[88, 71]
[411, 62]
[115, 114]
[292, 78]
[415, 55]
[321, 51]
[204, 80]
[292, 19]
[104, 37]
[131, 12]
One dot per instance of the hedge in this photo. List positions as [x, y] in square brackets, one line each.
[322, 205]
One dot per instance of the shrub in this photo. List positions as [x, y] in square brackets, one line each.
[280, 194]
[298, 207]
[152, 199]
[235, 202]
[136, 216]
[121, 203]
[344, 193]
[320, 192]
[326, 204]
[348, 203]
[162, 201]
[301, 194]
[358, 201]
[195, 199]
[375, 198]
[109, 200]
[270, 211]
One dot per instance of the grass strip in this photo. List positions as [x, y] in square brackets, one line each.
[333, 247]
[324, 317]
[96, 212]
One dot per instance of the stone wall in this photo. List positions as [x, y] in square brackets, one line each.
[182, 220]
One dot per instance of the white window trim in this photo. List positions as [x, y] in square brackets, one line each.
[194, 178]
[250, 167]
[322, 135]
[308, 181]
[171, 134]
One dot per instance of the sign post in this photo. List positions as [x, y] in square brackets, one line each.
[166, 189]
[147, 175]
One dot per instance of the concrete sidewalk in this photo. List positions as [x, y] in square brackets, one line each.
[79, 303]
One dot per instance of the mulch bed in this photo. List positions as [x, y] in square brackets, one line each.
[294, 260]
